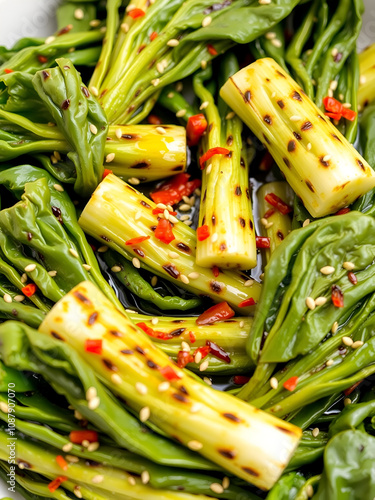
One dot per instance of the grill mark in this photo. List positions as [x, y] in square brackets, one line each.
[92, 318]
[232, 417]
[307, 126]
[82, 298]
[171, 270]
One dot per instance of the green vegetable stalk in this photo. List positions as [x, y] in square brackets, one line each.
[366, 93]
[217, 425]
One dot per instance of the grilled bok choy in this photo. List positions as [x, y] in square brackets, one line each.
[229, 234]
[366, 90]
[247, 442]
[125, 220]
[321, 166]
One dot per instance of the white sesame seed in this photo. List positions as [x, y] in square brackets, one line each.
[276, 43]
[155, 321]
[193, 275]
[72, 459]
[356, 344]
[103, 249]
[204, 105]
[134, 181]
[209, 168]
[347, 401]
[4, 407]
[154, 281]
[192, 201]
[141, 388]
[347, 341]
[161, 205]
[214, 237]
[94, 91]
[206, 21]
[334, 52]
[110, 157]
[230, 115]
[145, 477]
[132, 481]
[172, 42]
[180, 113]
[85, 443]
[295, 118]
[320, 301]
[173, 255]
[24, 278]
[118, 133]
[309, 491]
[327, 270]
[67, 447]
[349, 266]
[30, 268]
[188, 222]
[160, 67]
[184, 207]
[309, 146]
[49, 39]
[77, 492]
[347, 105]
[334, 327]
[203, 64]
[274, 383]
[329, 362]
[7, 298]
[362, 79]
[333, 84]
[164, 386]
[264, 221]
[173, 219]
[185, 346]
[198, 357]
[97, 479]
[58, 188]
[315, 432]
[116, 379]
[195, 445]
[341, 97]
[155, 82]
[86, 266]
[74, 252]
[138, 215]
[124, 27]
[226, 482]
[166, 214]
[306, 222]
[195, 407]
[161, 130]
[207, 380]
[184, 279]
[91, 393]
[94, 23]
[93, 446]
[144, 414]
[203, 366]
[179, 86]
[310, 302]
[53, 273]
[273, 95]
[116, 269]
[330, 93]
[216, 487]
[78, 415]
[170, 95]
[270, 35]
[54, 160]
[242, 324]
[94, 403]
[326, 158]
[248, 282]
[79, 14]
[93, 129]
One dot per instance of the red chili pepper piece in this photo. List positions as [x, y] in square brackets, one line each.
[136, 241]
[278, 203]
[337, 296]
[352, 278]
[29, 289]
[240, 379]
[154, 120]
[332, 105]
[263, 242]
[349, 114]
[215, 271]
[210, 153]
[269, 213]
[247, 302]
[163, 231]
[343, 211]
[266, 162]
[336, 110]
[61, 462]
[94, 346]
[291, 383]
[8, 71]
[106, 172]
[218, 312]
[192, 338]
[211, 49]
[172, 191]
[168, 373]
[203, 232]
[352, 388]
[135, 13]
[77, 437]
[153, 36]
[334, 116]
[196, 126]
[56, 483]
[153, 333]
[218, 351]
[184, 358]
[42, 59]
[204, 350]
[157, 211]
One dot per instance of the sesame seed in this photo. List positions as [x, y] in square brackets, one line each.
[161, 205]
[276, 43]
[334, 52]
[329, 362]
[347, 401]
[204, 105]
[166, 214]
[170, 95]
[132, 481]
[154, 281]
[85, 443]
[268, 225]
[79, 14]
[347, 341]
[110, 157]
[72, 459]
[192, 201]
[214, 237]
[49, 39]
[164, 386]
[173, 219]
[85, 266]
[94, 403]
[24, 278]
[327, 270]
[78, 415]
[203, 366]
[264, 221]
[116, 379]
[261, 276]
[4, 407]
[330, 93]
[320, 301]
[91, 393]
[310, 302]
[248, 282]
[160, 67]
[273, 95]
[155, 321]
[172, 42]
[315, 432]
[306, 222]
[184, 279]
[141, 388]
[242, 324]
[7, 298]
[230, 115]
[185, 346]
[188, 222]
[184, 207]
[161, 130]
[30, 268]
[138, 215]
[206, 21]
[118, 133]
[144, 414]
[94, 23]
[74, 252]
[180, 113]
[274, 383]
[184, 217]
[72, 49]
[333, 84]
[216, 487]
[54, 159]
[124, 27]
[77, 492]
[203, 64]
[116, 269]
[270, 35]
[198, 357]
[209, 168]
[58, 188]
[98, 479]
[173, 255]
[207, 380]
[347, 105]
[130, 7]
[349, 266]
[134, 181]
[334, 327]
[195, 407]
[93, 129]
[67, 447]
[193, 275]
[309, 491]
[295, 118]
[145, 477]
[326, 158]
[93, 446]
[362, 79]
[341, 97]
[309, 146]
[94, 91]
[155, 82]
[226, 482]
[103, 249]
[356, 344]
[195, 445]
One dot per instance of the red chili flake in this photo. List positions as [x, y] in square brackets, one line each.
[183, 358]
[240, 379]
[337, 111]
[106, 172]
[263, 242]
[291, 383]
[218, 312]
[77, 437]
[332, 105]
[352, 388]
[334, 116]
[94, 346]
[135, 13]
[269, 213]
[168, 373]
[210, 153]
[65, 30]
[153, 333]
[153, 36]
[136, 241]
[343, 211]
[61, 462]
[192, 338]
[157, 211]
[349, 114]
[278, 203]
[215, 271]
[218, 351]
[337, 296]
[42, 59]
[8, 71]
[266, 162]
[211, 49]
[29, 290]
[154, 120]
[352, 278]
[204, 350]
[247, 302]
[163, 231]
[195, 128]
[173, 190]
[203, 232]
[56, 483]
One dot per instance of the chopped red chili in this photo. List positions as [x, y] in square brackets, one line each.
[29, 289]
[42, 59]
[106, 172]
[343, 211]
[136, 241]
[332, 105]
[337, 296]
[8, 71]
[168, 373]
[291, 383]
[337, 111]
[61, 462]
[94, 346]
[269, 213]
[204, 350]
[211, 49]
[192, 338]
[196, 127]
[184, 358]
[218, 312]
[153, 36]
[263, 242]
[154, 120]
[352, 388]
[240, 379]
[218, 351]
[163, 231]
[210, 153]
[334, 116]
[352, 278]
[56, 483]
[135, 13]
[349, 114]
[266, 162]
[154, 333]
[172, 191]
[157, 211]
[215, 271]
[203, 232]
[247, 302]
[77, 437]
[278, 203]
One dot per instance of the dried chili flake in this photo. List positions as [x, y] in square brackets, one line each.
[106, 172]
[184, 358]
[212, 152]
[263, 242]
[163, 231]
[291, 383]
[77, 437]
[157, 211]
[153, 36]
[269, 213]
[8, 71]
[343, 211]
[337, 296]
[266, 162]
[192, 338]
[137, 240]
[94, 346]
[168, 373]
[218, 351]
[42, 59]
[215, 271]
[154, 120]
[211, 49]
[278, 203]
[218, 312]
[56, 483]
[61, 462]
[203, 232]
[247, 302]
[173, 190]
[196, 127]
[240, 379]
[136, 13]
[352, 388]
[29, 289]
